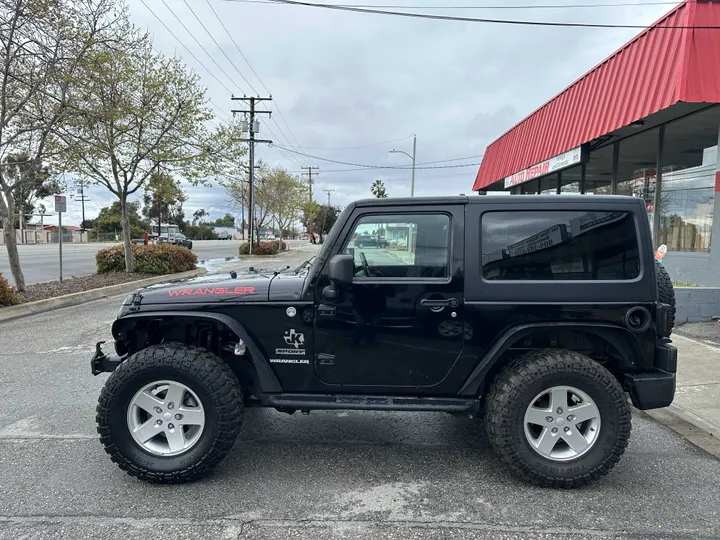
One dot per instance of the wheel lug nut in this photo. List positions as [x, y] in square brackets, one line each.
[549, 419]
[178, 416]
[158, 423]
[554, 430]
[567, 430]
[171, 427]
[171, 405]
[158, 410]
[571, 418]
[559, 410]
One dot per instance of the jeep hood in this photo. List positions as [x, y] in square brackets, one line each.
[213, 288]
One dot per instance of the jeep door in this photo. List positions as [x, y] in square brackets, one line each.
[400, 323]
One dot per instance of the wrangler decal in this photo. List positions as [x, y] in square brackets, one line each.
[216, 290]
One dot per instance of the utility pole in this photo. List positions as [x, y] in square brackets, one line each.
[253, 128]
[310, 183]
[327, 210]
[82, 200]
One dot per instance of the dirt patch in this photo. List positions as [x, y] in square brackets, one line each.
[708, 332]
[52, 289]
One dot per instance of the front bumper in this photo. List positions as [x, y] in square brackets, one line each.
[103, 363]
[655, 389]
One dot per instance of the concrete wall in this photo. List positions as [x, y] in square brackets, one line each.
[43, 237]
[696, 304]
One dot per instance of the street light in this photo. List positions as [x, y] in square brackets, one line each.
[412, 181]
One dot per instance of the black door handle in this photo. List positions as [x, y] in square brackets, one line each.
[443, 302]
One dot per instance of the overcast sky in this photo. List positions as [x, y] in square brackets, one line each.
[347, 82]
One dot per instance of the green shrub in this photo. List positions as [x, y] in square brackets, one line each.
[7, 294]
[264, 248]
[153, 259]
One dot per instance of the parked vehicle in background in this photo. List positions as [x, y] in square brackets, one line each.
[224, 235]
[363, 241]
[177, 239]
[539, 315]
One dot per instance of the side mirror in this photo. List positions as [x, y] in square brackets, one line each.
[341, 269]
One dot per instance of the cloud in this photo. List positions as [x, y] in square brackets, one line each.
[348, 80]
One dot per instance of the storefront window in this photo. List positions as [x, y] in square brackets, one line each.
[598, 174]
[549, 185]
[688, 181]
[637, 160]
[571, 180]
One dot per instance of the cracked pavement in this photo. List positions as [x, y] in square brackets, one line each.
[332, 474]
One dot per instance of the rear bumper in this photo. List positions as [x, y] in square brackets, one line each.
[655, 389]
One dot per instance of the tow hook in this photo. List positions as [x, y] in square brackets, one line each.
[103, 363]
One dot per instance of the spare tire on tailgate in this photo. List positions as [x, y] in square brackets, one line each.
[666, 293]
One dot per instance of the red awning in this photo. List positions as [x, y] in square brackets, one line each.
[655, 70]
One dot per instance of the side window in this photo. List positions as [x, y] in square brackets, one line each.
[559, 246]
[400, 246]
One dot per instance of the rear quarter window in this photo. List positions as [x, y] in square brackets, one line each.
[542, 246]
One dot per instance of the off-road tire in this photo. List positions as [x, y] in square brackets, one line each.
[207, 375]
[512, 392]
[666, 293]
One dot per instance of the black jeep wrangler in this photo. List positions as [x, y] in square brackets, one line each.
[536, 313]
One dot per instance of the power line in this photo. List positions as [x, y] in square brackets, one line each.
[437, 17]
[277, 107]
[524, 7]
[186, 47]
[380, 166]
[197, 18]
[217, 44]
[198, 42]
[200, 62]
[354, 147]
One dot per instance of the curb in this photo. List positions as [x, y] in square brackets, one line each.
[50, 304]
[695, 429]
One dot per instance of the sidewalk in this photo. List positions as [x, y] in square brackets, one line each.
[695, 412]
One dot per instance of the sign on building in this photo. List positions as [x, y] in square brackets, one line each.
[554, 164]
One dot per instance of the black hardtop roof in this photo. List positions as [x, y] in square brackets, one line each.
[535, 201]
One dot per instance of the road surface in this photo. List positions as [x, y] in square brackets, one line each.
[330, 475]
[41, 262]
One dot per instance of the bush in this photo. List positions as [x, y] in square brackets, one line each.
[264, 248]
[7, 294]
[154, 259]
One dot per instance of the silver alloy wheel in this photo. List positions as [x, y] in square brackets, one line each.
[165, 418]
[562, 423]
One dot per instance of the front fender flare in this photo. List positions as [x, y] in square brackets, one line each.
[628, 348]
[269, 383]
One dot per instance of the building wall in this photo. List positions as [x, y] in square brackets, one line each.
[696, 304]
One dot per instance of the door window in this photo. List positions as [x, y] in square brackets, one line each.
[400, 246]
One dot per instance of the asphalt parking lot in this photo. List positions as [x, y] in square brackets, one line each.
[332, 475]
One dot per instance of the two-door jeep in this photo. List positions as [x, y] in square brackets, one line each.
[538, 314]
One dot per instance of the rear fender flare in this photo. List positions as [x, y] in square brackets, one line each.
[269, 383]
[623, 340]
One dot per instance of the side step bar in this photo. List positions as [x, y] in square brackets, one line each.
[307, 402]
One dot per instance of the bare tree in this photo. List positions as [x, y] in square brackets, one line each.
[43, 50]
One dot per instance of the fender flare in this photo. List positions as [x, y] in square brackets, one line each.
[628, 348]
[269, 383]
